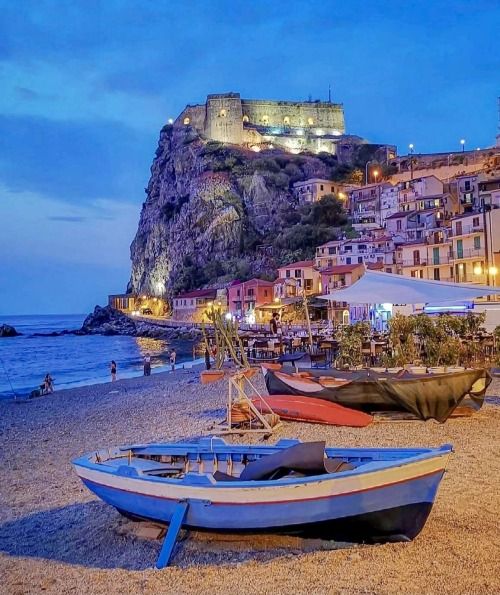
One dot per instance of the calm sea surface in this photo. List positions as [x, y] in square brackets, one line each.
[73, 360]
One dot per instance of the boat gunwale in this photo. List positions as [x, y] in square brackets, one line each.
[375, 467]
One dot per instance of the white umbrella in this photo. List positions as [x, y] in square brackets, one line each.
[385, 288]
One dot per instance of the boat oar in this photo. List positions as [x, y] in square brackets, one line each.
[173, 531]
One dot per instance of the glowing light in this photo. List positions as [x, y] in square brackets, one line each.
[462, 141]
[276, 300]
[478, 270]
[341, 195]
[310, 121]
[319, 132]
[255, 148]
[300, 131]
[228, 316]
[336, 132]
[144, 297]
[478, 149]
[170, 121]
[210, 304]
[271, 146]
[387, 307]
[186, 121]
[461, 266]
[493, 271]
[411, 146]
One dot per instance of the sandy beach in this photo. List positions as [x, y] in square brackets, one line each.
[56, 537]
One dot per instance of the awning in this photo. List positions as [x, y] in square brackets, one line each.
[385, 288]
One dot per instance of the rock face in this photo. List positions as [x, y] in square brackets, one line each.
[107, 321]
[209, 202]
[8, 331]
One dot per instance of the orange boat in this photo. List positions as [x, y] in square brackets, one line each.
[311, 410]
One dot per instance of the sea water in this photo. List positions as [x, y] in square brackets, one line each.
[75, 360]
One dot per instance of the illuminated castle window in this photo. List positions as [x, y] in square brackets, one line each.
[245, 118]
[222, 113]
[310, 121]
[286, 120]
[186, 121]
[265, 119]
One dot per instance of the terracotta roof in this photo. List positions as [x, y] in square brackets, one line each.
[400, 214]
[341, 269]
[198, 293]
[297, 265]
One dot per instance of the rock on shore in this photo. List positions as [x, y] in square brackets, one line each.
[8, 331]
[108, 321]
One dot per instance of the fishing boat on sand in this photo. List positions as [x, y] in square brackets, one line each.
[429, 396]
[350, 494]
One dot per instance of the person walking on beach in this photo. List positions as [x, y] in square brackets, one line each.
[113, 370]
[173, 357]
[147, 365]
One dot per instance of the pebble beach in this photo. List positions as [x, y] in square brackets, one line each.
[56, 537]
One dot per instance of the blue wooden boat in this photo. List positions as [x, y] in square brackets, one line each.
[349, 494]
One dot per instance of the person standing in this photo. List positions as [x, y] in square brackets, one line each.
[173, 357]
[273, 325]
[48, 384]
[113, 370]
[147, 365]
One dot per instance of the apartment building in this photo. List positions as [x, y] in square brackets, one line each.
[306, 275]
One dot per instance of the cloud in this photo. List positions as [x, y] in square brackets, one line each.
[74, 161]
[68, 219]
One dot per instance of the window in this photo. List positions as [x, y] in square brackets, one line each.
[321, 186]
[310, 121]
[348, 260]
[288, 273]
[332, 250]
[298, 273]
[360, 259]
[458, 228]
[467, 185]
[436, 275]
[398, 225]
[265, 292]
[186, 121]
[250, 292]
[477, 242]
[308, 284]
[435, 255]
[475, 222]
[416, 257]
[237, 293]
[332, 189]
[222, 113]
[460, 249]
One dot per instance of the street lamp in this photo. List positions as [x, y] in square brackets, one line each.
[411, 147]
[478, 270]
[462, 142]
[375, 174]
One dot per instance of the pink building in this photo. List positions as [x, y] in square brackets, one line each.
[245, 297]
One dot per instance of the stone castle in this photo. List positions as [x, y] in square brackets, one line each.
[295, 126]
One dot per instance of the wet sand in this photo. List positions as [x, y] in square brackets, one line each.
[56, 537]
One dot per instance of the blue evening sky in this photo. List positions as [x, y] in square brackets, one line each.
[86, 85]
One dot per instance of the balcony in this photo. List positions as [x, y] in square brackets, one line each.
[467, 253]
[465, 230]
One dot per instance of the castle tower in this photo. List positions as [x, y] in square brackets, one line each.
[224, 120]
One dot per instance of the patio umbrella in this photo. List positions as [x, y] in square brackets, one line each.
[386, 288]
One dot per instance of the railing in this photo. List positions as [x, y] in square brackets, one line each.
[467, 253]
[466, 230]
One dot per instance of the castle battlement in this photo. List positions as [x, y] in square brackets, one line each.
[260, 123]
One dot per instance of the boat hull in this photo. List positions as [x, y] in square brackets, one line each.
[311, 410]
[386, 504]
[433, 396]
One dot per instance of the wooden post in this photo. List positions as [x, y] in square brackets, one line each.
[171, 537]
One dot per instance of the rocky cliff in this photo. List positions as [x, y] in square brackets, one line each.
[216, 212]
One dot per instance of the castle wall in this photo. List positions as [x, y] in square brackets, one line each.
[225, 118]
[329, 117]
[193, 115]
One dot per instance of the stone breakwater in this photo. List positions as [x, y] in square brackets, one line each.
[107, 321]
